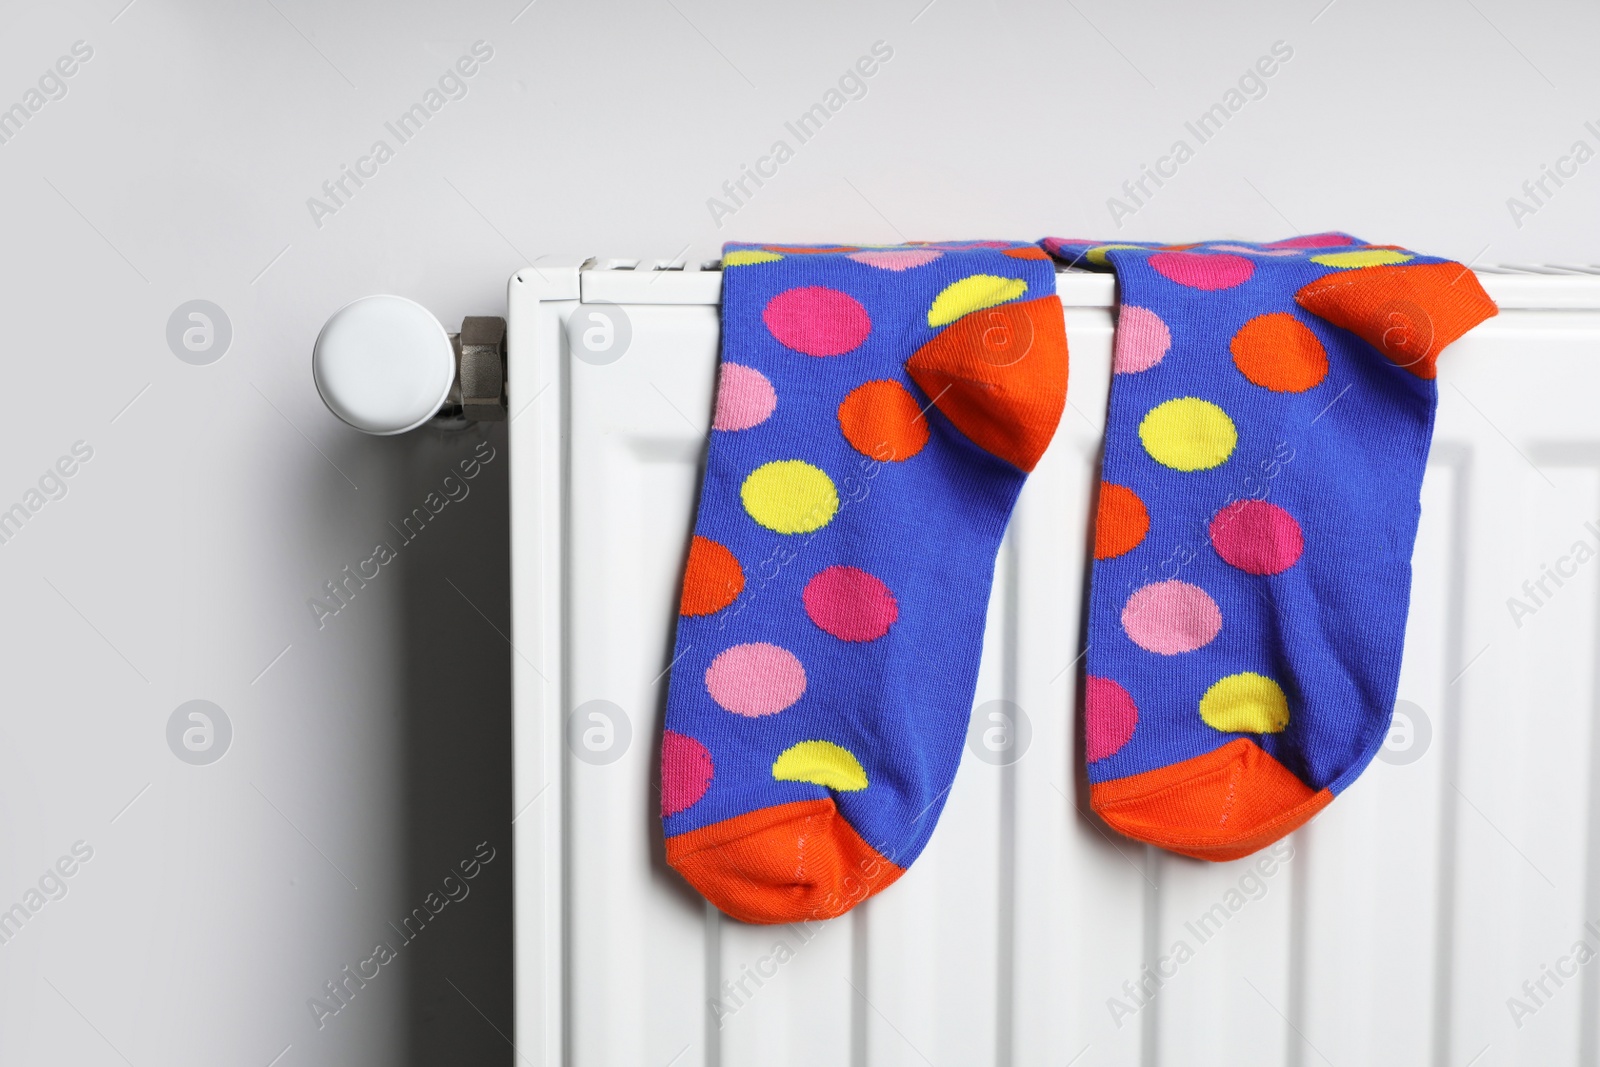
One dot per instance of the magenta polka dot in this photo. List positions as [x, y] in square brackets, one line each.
[1171, 617]
[685, 772]
[1257, 537]
[903, 259]
[1315, 240]
[755, 679]
[817, 321]
[1142, 339]
[1198, 270]
[744, 398]
[850, 604]
[1109, 718]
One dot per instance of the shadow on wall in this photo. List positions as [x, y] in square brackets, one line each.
[455, 711]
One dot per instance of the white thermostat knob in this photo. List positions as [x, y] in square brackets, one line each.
[383, 364]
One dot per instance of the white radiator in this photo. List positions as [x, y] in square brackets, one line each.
[1400, 927]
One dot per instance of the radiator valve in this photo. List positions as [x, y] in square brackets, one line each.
[385, 365]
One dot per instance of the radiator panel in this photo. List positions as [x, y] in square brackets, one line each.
[1395, 931]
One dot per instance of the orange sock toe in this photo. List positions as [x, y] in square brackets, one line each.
[1220, 806]
[1409, 313]
[787, 863]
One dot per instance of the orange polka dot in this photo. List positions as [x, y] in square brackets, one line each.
[712, 580]
[1030, 252]
[1279, 352]
[1120, 523]
[881, 420]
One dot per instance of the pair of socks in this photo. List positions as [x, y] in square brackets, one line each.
[878, 410]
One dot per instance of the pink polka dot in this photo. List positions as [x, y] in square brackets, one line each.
[685, 772]
[744, 398]
[903, 259]
[1257, 537]
[817, 321]
[1171, 617]
[755, 679]
[1109, 718]
[1142, 339]
[1200, 271]
[1314, 240]
[850, 604]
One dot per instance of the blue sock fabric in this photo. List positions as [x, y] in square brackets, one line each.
[1269, 421]
[877, 412]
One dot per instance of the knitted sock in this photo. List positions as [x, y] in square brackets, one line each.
[1270, 416]
[877, 413]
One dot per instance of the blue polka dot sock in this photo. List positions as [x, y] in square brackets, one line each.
[1270, 415]
[877, 413]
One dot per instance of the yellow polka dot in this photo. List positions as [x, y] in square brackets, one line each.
[1362, 257]
[821, 763]
[1097, 255]
[1245, 703]
[971, 294]
[748, 256]
[790, 496]
[1188, 434]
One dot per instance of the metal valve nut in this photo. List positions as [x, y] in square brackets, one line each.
[482, 372]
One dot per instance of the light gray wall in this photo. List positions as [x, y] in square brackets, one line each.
[370, 756]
